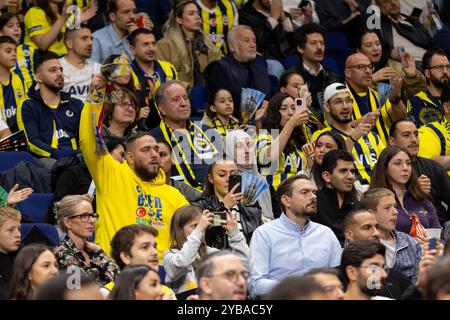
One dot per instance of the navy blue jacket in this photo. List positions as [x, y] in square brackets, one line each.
[51, 133]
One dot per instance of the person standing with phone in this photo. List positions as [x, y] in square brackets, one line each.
[218, 196]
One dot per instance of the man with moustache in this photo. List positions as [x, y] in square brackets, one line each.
[362, 225]
[363, 270]
[78, 69]
[338, 196]
[426, 106]
[291, 244]
[50, 117]
[309, 41]
[149, 72]
[432, 177]
[133, 192]
[358, 74]
[112, 39]
[365, 145]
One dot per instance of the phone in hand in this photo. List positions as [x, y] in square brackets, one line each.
[234, 180]
[432, 244]
[300, 103]
[402, 52]
[416, 13]
[303, 4]
[220, 218]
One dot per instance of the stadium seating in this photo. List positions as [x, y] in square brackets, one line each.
[39, 233]
[10, 159]
[162, 274]
[198, 99]
[36, 206]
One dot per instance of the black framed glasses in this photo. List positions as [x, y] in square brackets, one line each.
[127, 106]
[84, 217]
[233, 275]
[362, 67]
[440, 67]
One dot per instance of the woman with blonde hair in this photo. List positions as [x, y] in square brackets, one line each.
[77, 219]
[184, 44]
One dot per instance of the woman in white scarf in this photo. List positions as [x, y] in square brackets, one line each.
[239, 148]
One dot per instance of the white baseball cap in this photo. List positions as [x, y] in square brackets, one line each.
[332, 89]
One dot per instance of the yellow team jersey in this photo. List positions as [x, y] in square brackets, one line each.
[122, 197]
[435, 139]
[217, 22]
[12, 93]
[37, 23]
[25, 64]
[365, 152]
[360, 108]
[287, 166]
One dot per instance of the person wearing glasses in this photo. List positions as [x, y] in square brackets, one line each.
[364, 144]
[426, 106]
[363, 270]
[358, 75]
[222, 276]
[76, 217]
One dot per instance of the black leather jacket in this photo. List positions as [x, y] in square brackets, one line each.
[216, 236]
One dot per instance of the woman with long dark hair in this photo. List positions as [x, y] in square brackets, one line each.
[218, 198]
[137, 282]
[278, 146]
[393, 171]
[185, 45]
[45, 24]
[34, 265]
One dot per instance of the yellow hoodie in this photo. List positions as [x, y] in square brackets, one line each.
[122, 197]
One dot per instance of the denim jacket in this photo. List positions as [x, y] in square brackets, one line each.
[407, 255]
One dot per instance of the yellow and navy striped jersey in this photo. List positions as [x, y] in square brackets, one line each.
[25, 64]
[217, 22]
[12, 93]
[79, 3]
[37, 23]
[365, 152]
[368, 102]
[435, 139]
[424, 108]
[289, 164]
[215, 123]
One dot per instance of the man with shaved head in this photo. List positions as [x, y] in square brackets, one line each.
[133, 192]
[358, 74]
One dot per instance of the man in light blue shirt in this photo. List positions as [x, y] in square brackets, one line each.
[291, 244]
[112, 39]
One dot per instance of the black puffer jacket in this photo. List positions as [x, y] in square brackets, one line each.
[216, 236]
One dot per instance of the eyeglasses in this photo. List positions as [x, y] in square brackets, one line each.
[362, 67]
[441, 67]
[84, 217]
[233, 275]
[372, 268]
[340, 102]
[127, 106]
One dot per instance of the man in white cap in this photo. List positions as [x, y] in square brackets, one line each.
[364, 144]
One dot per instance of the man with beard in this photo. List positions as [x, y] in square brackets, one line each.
[50, 117]
[363, 269]
[362, 225]
[338, 197]
[431, 173]
[133, 192]
[310, 43]
[435, 136]
[78, 70]
[222, 276]
[112, 39]
[149, 72]
[403, 252]
[358, 74]
[426, 106]
[365, 145]
[291, 244]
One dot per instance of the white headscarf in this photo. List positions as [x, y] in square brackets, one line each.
[265, 201]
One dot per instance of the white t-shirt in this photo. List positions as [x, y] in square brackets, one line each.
[77, 81]
[390, 253]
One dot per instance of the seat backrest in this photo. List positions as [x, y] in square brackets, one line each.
[10, 158]
[36, 206]
[336, 41]
[290, 61]
[198, 99]
[39, 233]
